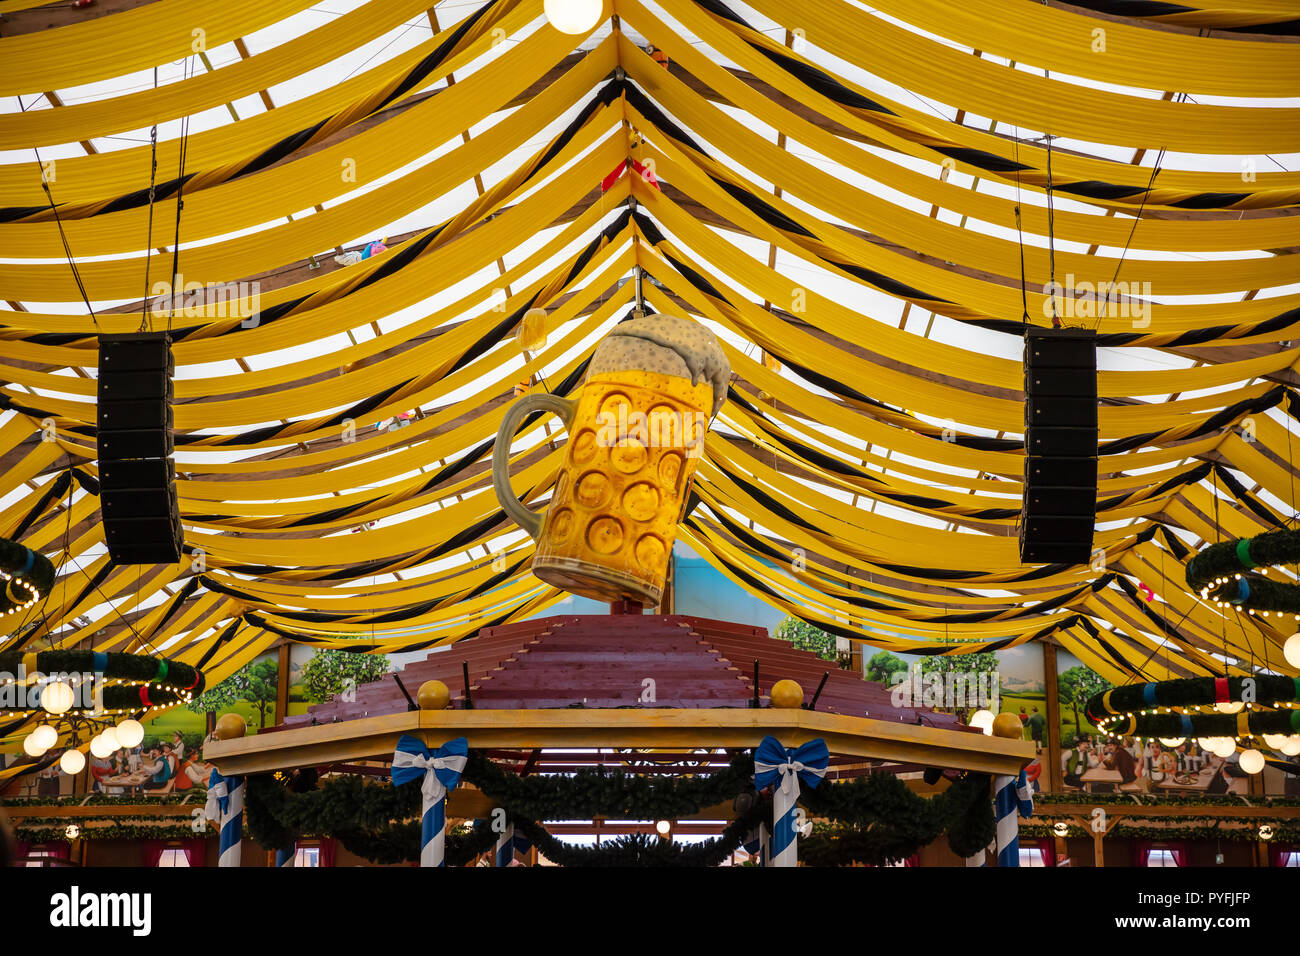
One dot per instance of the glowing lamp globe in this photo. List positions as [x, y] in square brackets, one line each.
[101, 748]
[1266, 832]
[72, 762]
[1206, 743]
[57, 698]
[1292, 746]
[1275, 741]
[433, 695]
[663, 828]
[1291, 649]
[231, 727]
[1224, 747]
[983, 719]
[532, 330]
[31, 747]
[45, 736]
[574, 16]
[1231, 707]
[1252, 761]
[109, 736]
[1008, 725]
[786, 693]
[130, 733]
[1061, 829]
[1173, 741]
[72, 831]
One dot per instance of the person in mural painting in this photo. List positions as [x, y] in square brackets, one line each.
[1117, 758]
[161, 766]
[178, 746]
[1078, 761]
[1033, 771]
[1160, 762]
[1037, 724]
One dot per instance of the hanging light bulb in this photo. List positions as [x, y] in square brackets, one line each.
[1173, 741]
[45, 736]
[31, 747]
[109, 736]
[72, 831]
[1252, 761]
[72, 762]
[1292, 746]
[1229, 707]
[1206, 743]
[1225, 747]
[99, 747]
[129, 733]
[574, 16]
[1274, 741]
[1291, 649]
[57, 698]
[983, 719]
[532, 330]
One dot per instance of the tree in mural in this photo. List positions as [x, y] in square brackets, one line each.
[255, 684]
[807, 637]
[1076, 685]
[331, 672]
[883, 666]
[976, 673]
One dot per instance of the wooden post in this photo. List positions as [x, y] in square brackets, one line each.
[1052, 751]
[282, 684]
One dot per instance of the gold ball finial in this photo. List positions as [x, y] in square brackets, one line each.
[433, 695]
[231, 727]
[786, 693]
[1008, 725]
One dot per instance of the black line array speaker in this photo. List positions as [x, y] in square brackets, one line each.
[1060, 507]
[137, 478]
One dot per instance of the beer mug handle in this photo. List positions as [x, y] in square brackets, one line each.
[530, 521]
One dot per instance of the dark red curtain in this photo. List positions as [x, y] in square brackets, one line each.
[1179, 852]
[196, 851]
[1143, 850]
[153, 851]
[328, 851]
[1278, 853]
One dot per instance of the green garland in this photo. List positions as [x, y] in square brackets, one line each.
[1131, 710]
[1181, 828]
[32, 567]
[1224, 572]
[379, 821]
[154, 682]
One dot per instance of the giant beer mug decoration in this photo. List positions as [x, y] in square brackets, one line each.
[636, 429]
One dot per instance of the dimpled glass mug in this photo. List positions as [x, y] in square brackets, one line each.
[634, 438]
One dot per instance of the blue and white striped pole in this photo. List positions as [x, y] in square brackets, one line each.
[1012, 798]
[439, 773]
[506, 846]
[226, 806]
[781, 768]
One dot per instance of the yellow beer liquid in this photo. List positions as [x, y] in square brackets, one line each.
[632, 450]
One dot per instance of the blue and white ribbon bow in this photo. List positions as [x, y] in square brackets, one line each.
[440, 772]
[782, 768]
[225, 805]
[1012, 798]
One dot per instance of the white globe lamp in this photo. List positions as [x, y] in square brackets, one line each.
[72, 762]
[57, 698]
[129, 733]
[1252, 761]
[574, 17]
